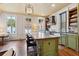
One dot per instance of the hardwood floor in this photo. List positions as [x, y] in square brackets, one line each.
[67, 52]
[20, 47]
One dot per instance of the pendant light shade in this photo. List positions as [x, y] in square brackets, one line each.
[28, 9]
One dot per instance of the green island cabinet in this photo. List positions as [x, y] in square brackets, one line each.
[73, 41]
[48, 47]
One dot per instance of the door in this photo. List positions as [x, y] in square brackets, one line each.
[72, 41]
[63, 28]
[49, 47]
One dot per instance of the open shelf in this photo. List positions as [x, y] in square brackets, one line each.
[73, 15]
[73, 25]
[73, 19]
[75, 12]
[74, 9]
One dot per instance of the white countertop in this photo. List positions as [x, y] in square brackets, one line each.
[44, 36]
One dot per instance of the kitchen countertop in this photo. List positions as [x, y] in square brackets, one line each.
[44, 36]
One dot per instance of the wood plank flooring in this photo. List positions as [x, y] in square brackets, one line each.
[20, 47]
[67, 52]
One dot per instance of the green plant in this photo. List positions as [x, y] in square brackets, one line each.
[11, 23]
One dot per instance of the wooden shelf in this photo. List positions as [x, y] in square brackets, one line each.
[74, 9]
[75, 12]
[73, 21]
[73, 17]
[73, 26]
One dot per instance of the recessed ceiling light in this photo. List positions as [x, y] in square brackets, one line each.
[53, 5]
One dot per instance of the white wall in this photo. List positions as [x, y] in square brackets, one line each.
[35, 20]
[20, 34]
[20, 24]
[57, 17]
[21, 27]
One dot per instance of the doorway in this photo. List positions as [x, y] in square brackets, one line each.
[63, 28]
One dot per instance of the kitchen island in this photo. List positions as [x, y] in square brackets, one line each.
[47, 44]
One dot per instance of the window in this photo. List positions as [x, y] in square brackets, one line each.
[11, 24]
[28, 26]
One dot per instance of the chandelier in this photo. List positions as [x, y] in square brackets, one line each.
[28, 9]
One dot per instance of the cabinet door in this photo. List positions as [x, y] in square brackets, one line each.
[59, 40]
[50, 47]
[40, 45]
[63, 40]
[77, 42]
[72, 41]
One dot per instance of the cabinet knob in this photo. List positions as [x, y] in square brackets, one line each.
[48, 43]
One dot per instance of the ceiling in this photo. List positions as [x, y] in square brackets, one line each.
[42, 9]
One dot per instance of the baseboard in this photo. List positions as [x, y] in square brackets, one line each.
[73, 49]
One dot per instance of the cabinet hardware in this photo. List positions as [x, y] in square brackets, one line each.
[48, 43]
